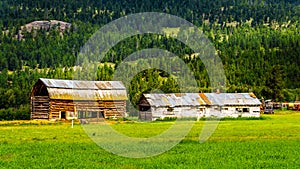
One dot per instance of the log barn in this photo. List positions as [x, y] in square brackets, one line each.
[197, 105]
[55, 99]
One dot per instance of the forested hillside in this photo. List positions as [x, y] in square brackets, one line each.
[258, 42]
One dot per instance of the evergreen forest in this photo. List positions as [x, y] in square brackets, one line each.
[258, 42]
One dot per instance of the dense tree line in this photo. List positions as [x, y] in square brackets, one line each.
[102, 12]
[15, 86]
[257, 41]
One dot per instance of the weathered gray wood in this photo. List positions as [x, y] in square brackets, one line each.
[42, 107]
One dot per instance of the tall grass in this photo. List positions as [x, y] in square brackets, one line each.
[273, 142]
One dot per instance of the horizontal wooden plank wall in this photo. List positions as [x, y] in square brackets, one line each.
[40, 107]
[109, 108]
[57, 106]
[145, 115]
[114, 108]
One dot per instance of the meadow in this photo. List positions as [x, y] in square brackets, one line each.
[271, 142]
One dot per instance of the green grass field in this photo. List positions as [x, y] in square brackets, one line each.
[270, 143]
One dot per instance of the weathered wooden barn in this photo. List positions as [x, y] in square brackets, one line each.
[157, 106]
[233, 105]
[55, 99]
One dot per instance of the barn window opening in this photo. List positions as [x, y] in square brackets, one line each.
[94, 115]
[170, 109]
[83, 115]
[88, 114]
[144, 108]
[217, 108]
[245, 110]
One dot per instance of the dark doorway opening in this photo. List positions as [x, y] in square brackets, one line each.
[63, 115]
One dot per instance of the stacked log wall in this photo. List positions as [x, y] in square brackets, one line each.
[109, 108]
[40, 107]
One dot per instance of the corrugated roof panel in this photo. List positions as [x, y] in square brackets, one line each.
[74, 94]
[233, 99]
[81, 84]
[195, 99]
[174, 99]
[216, 99]
[204, 98]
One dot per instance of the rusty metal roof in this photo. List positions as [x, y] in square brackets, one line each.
[75, 94]
[82, 84]
[232, 99]
[84, 90]
[195, 99]
[175, 99]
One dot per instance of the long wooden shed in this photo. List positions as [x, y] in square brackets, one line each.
[55, 99]
[158, 106]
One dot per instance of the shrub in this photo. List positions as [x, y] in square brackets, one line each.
[21, 113]
[167, 119]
